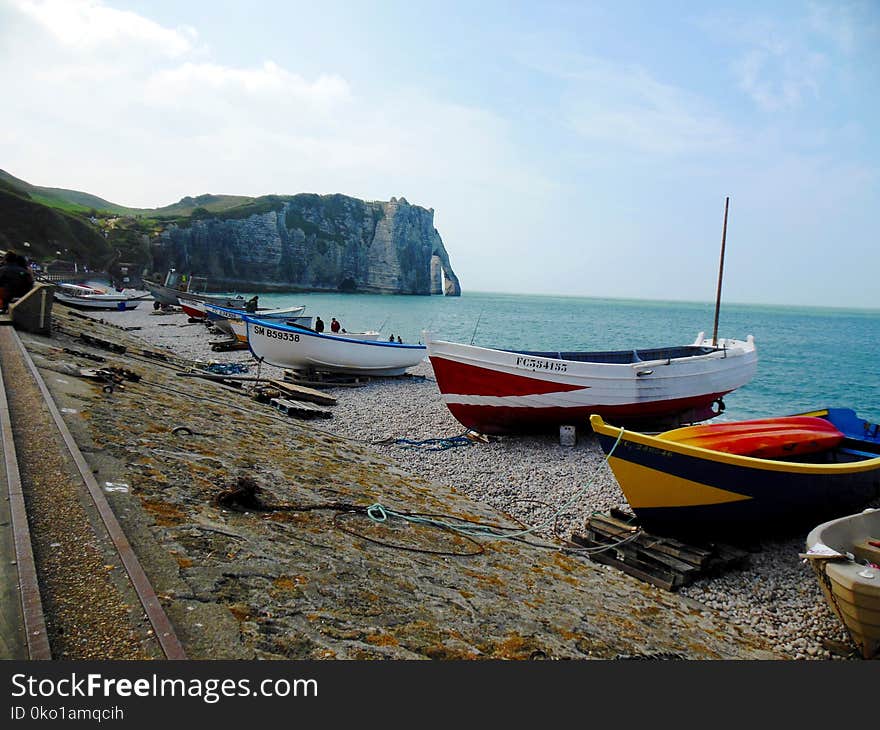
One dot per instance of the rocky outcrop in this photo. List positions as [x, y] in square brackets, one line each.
[311, 243]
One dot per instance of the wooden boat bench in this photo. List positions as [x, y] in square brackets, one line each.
[867, 550]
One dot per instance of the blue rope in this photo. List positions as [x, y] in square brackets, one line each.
[380, 513]
[227, 368]
[437, 444]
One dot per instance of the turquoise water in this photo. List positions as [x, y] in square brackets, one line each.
[807, 357]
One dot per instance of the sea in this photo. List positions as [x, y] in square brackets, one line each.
[808, 357]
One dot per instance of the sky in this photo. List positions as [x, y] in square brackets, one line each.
[570, 148]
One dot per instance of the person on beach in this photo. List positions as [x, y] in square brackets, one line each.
[334, 325]
[319, 324]
[16, 279]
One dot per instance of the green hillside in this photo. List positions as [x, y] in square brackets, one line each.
[48, 230]
[186, 206]
[74, 201]
[94, 231]
[69, 200]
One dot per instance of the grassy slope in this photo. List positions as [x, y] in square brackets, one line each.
[48, 230]
[74, 201]
[69, 200]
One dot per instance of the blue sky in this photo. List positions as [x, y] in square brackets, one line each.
[566, 147]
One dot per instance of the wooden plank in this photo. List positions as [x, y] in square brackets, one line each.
[693, 556]
[303, 393]
[633, 553]
[658, 578]
[614, 524]
[647, 554]
[689, 553]
[291, 407]
[227, 345]
[643, 553]
[357, 383]
[98, 342]
[657, 559]
[623, 515]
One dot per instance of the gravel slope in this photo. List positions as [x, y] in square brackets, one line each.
[536, 480]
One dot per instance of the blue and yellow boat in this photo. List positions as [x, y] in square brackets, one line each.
[675, 487]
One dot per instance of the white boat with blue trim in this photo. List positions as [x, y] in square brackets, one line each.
[303, 349]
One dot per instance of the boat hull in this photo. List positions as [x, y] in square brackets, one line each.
[676, 488]
[167, 295]
[500, 391]
[224, 317]
[851, 591]
[105, 304]
[193, 309]
[238, 327]
[301, 349]
[163, 294]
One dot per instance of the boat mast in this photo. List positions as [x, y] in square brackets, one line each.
[720, 274]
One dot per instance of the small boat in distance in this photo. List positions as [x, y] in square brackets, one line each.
[499, 391]
[223, 317]
[86, 297]
[845, 555]
[301, 348]
[680, 488]
[174, 287]
[193, 308]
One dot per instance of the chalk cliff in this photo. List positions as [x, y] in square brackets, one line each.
[312, 243]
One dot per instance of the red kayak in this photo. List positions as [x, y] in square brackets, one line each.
[765, 438]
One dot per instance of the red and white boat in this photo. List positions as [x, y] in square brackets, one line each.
[193, 308]
[507, 391]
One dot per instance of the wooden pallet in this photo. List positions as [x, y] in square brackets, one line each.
[325, 380]
[659, 560]
[228, 345]
[301, 393]
[299, 408]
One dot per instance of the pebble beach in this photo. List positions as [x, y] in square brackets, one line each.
[545, 485]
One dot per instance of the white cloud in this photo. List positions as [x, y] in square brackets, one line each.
[89, 25]
[628, 106]
[274, 89]
[139, 113]
[786, 62]
[778, 78]
[836, 23]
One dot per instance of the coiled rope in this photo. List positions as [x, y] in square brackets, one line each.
[380, 513]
